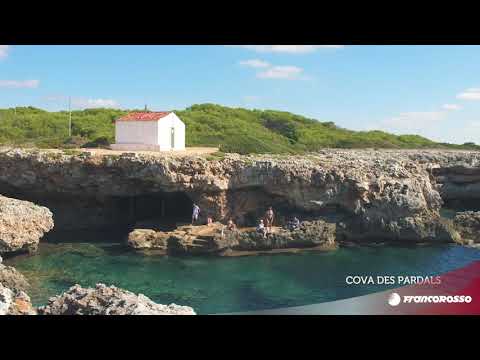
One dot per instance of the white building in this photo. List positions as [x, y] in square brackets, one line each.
[152, 131]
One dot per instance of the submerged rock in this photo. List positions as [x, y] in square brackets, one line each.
[108, 300]
[468, 224]
[22, 225]
[13, 279]
[15, 302]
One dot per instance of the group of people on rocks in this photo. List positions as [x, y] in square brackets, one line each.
[264, 227]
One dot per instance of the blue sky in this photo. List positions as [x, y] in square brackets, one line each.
[433, 91]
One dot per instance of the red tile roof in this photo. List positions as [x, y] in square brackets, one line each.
[144, 116]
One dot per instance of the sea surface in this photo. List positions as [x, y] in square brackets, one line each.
[235, 284]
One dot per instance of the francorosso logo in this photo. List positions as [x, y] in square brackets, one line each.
[395, 299]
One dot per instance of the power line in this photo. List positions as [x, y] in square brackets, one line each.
[69, 117]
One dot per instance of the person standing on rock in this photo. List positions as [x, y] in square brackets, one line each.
[195, 213]
[231, 225]
[209, 220]
[269, 217]
[261, 228]
[293, 224]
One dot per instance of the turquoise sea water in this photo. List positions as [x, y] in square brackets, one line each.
[219, 285]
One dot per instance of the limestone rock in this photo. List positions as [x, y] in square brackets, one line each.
[310, 234]
[468, 224]
[108, 300]
[13, 279]
[391, 194]
[194, 240]
[22, 225]
[429, 227]
[148, 239]
[14, 302]
[215, 239]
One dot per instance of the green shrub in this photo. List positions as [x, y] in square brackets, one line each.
[101, 142]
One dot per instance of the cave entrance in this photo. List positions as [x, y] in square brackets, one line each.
[160, 211]
[248, 206]
[284, 212]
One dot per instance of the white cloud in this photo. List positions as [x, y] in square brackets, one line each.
[251, 98]
[265, 70]
[55, 98]
[290, 49]
[4, 51]
[255, 63]
[418, 122]
[451, 107]
[18, 84]
[81, 102]
[94, 103]
[281, 72]
[470, 94]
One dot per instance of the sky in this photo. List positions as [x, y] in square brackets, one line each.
[433, 91]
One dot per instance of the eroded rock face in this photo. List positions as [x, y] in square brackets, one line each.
[468, 225]
[108, 300]
[14, 302]
[183, 240]
[383, 194]
[12, 279]
[22, 225]
[310, 234]
[460, 184]
[148, 239]
[427, 227]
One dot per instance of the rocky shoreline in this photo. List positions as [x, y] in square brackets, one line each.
[102, 300]
[15, 302]
[341, 196]
[217, 240]
[108, 300]
[387, 194]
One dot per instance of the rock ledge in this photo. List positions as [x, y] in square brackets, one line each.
[108, 300]
[22, 225]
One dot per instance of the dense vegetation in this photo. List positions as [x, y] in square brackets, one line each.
[233, 130]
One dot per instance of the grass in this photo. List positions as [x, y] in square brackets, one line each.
[218, 155]
[230, 129]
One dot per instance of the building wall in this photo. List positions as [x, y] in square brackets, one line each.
[153, 134]
[165, 126]
[136, 132]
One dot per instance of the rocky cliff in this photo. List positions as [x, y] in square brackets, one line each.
[22, 224]
[392, 195]
[468, 225]
[12, 279]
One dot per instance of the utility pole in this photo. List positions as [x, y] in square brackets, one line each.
[69, 117]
